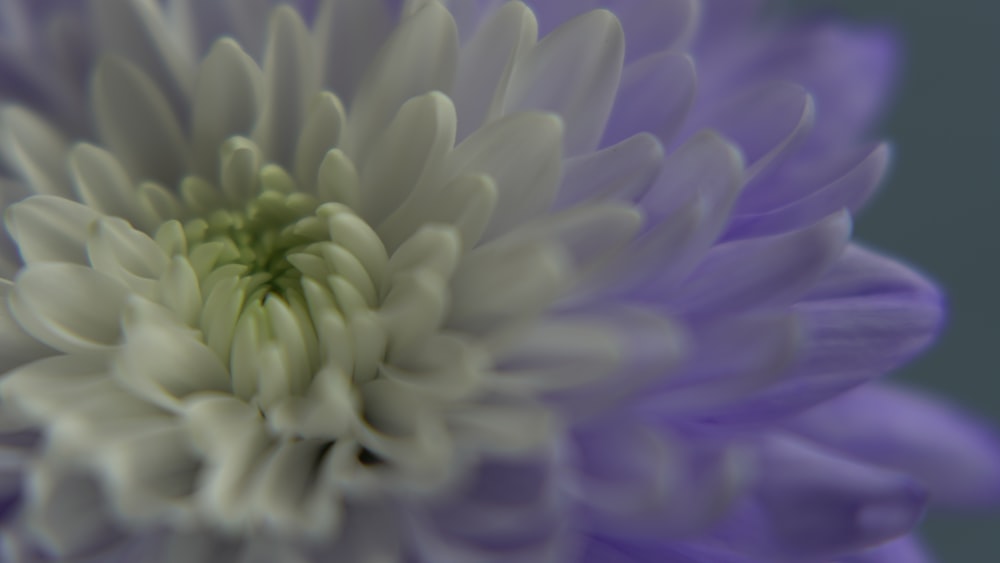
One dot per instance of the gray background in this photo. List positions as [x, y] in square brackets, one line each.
[939, 209]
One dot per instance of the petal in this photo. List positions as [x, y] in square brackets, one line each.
[320, 133]
[348, 36]
[486, 63]
[850, 71]
[36, 150]
[956, 456]
[419, 57]
[655, 95]
[16, 346]
[409, 152]
[635, 481]
[104, 185]
[765, 271]
[811, 505]
[69, 307]
[621, 172]
[849, 191]
[290, 82]
[760, 349]
[137, 31]
[522, 153]
[764, 121]
[226, 101]
[904, 550]
[848, 340]
[655, 25]
[573, 72]
[50, 229]
[137, 123]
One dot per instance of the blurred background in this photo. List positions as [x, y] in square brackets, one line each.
[940, 209]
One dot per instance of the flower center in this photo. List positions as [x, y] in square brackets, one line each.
[266, 277]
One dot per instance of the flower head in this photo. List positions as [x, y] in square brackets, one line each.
[454, 281]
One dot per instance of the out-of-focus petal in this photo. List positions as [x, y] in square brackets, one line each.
[812, 505]
[868, 316]
[951, 453]
[904, 550]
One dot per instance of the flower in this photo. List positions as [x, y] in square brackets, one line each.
[456, 281]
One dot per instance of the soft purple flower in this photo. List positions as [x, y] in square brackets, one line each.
[456, 281]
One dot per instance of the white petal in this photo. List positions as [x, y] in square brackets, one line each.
[320, 133]
[239, 164]
[351, 232]
[574, 72]
[69, 307]
[348, 36]
[231, 433]
[409, 153]
[435, 248]
[445, 366]
[486, 63]
[138, 31]
[36, 150]
[338, 180]
[290, 81]
[499, 282]
[104, 185]
[16, 346]
[228, 95]
[48, 228]
[165, 365]
[523, 155]
[414, 308]
[137, 123]
[419, 57]
[118, 250]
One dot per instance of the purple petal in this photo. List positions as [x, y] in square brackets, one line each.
[849, 71]
[810, 504]
[759, 272]
[764, 120]
[505, 511]
[603, 550]
[849, 191]
[956, 456]
[655, 25]
[868, 316]
[861, 272]
[638, 480]
[654, 95]
[760, 348]
[904, 550]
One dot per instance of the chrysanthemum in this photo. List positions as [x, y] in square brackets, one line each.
[463, 281]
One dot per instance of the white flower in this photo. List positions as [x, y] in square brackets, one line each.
[264, 313]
